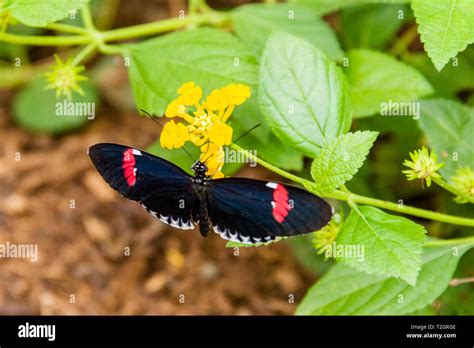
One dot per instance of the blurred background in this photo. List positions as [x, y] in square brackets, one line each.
[102, 254]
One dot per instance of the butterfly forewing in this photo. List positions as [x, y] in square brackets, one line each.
[162, 188]
[254, 211]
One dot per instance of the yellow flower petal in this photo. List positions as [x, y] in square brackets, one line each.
[220, 134]
[175, 108]
[236, 94]
[216, 100]
[174, 135]
[190, 93]
[213, 156]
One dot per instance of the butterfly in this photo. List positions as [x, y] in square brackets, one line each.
[238, 209]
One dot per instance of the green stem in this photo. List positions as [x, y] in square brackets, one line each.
[66, 28]
[84, 53]
[448, 187]
[355, 198]
[269, 166]
[402, 44]
[439, 242]
[45, 40]
[405, 209]
[87, 18]
[110, 49]
[165, 25]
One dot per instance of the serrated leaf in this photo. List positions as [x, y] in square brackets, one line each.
[38, 13]
[392, 245]
[254, 23]
[302, 94]
[232, 244]
[449, 126]
[38, 109]
[377, 78]
[339, 160]
[446, 27]
[372, 25]
[343, 291]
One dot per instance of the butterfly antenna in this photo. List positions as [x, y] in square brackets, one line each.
[154, 119]
[247, 132]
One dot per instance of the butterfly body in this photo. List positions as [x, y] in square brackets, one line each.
[238, 209]
[200, 183]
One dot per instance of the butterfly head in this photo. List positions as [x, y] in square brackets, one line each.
[199, 168]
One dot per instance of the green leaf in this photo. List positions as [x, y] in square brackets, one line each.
[340, 159]
[302, 94]
[446, 27]
[449, 126]
[392, 244]
[278, 153]
[372, 25]
[38, 13]
[377, 78]
[38, 109]
[255, 22]
[343, 291]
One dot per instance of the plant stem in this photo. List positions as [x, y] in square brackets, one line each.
[448, 187]
[405, 209]
[84, 53]
[87, 18]
[355, 198]
[440, 242]
[66, 28]
[401, 45]
[459, 281]
[269, 166]
[162, 26]
[45, 40]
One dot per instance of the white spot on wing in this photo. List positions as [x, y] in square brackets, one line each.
[136, 152]
[272, 185]
[236, 237]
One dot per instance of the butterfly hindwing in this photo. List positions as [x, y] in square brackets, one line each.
[254, 211]
[162, 188]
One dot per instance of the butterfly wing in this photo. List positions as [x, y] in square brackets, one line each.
[162, 188]
[253, 211]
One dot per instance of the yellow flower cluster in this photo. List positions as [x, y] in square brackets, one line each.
[423, 165]
[323, 239]
[206, 127]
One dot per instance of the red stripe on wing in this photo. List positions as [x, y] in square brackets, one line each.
[128, 165]
[281, 207]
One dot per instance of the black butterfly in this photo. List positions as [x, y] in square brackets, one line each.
[238, 209]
